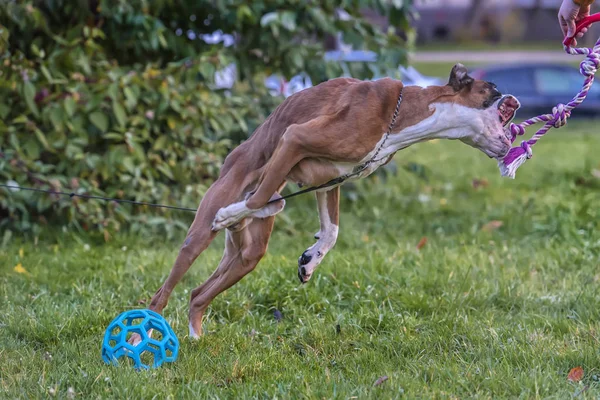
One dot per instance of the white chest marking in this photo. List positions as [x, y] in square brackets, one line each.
[448, 121]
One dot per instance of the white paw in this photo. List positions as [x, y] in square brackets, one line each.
[230, 215]
[270, 209]
[193, 334]
[308, 262]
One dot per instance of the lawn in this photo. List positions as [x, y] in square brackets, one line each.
[500, 301]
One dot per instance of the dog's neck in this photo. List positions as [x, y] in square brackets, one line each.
[435, 112]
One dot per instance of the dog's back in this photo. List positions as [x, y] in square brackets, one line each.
[333, 97]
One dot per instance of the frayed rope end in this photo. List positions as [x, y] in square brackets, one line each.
[514, 159]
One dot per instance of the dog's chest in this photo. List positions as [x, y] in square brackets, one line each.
[380, 155]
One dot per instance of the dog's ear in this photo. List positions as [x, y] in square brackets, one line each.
[459, 78]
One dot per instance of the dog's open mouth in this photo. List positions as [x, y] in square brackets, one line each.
[507, 107]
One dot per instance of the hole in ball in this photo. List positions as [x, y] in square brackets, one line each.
[116, 330]
[147, 358]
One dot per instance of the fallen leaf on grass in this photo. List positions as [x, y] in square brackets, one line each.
[492, 226]
[575, 374]
[380, 380]
[20, 270]
[422, 243]
[477, 183]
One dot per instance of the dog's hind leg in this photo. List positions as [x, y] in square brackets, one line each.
[328, 204]
[286, 156]
[198, 238]
[244, 248]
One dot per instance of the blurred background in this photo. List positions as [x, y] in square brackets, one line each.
[143, 99]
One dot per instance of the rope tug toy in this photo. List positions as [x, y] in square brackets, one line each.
[588, 67]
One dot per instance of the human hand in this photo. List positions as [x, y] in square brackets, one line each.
[568, 16]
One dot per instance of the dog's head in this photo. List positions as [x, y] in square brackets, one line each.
[489, 112]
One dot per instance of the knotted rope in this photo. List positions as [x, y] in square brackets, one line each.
[519, 154]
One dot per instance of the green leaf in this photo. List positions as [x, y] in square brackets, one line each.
[100, 120]
[70, 106]
[21, 119]
[288, 20]
[162, 40]
[128, 164]
[165, 170]
[131, 98]
[296, 59]
[119, 114]
[320, 19]
[245, 12]
[56, 117]
[32, 148]
[40, 135]
[208, 71]
[268, 18]
[160, 143]
[114, 136]
[46, 73]
[113, 92]
[4, 110]
[29, 94]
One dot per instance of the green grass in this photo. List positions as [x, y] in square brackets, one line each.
[504, 313]
[438, 69]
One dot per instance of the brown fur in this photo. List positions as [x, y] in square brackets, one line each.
[340, 120]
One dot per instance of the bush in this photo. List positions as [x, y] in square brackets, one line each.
[109, 100]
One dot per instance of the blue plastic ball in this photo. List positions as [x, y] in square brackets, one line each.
[151, 351]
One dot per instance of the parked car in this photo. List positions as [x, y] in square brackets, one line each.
[540, 87]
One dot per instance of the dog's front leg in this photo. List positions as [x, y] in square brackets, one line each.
[328, 203]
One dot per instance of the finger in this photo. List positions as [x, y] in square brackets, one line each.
[581, 33]
[563, 25]
[571, 26]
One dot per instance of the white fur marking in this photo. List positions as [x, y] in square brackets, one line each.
[269, 210]
[193, 334]
[327, 238]
[448, 121]
[229, 215]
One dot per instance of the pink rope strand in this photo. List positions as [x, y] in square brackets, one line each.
[519, 154]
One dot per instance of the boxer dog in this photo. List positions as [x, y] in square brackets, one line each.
[317, 135]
